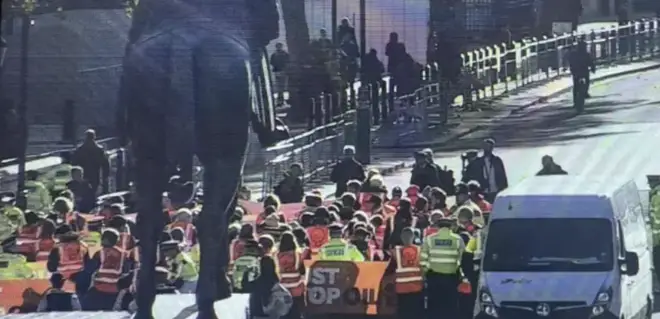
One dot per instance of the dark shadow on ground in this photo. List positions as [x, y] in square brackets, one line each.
[551, 124]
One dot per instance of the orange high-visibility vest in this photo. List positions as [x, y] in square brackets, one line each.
[409, 277]
[289, 263]
[45, 247]
[110, 271]
[72, 258]
[27, 240]
[188, 231]
[318, 236]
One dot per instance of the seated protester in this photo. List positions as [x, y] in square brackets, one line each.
[396, 196]
[426, 192]
[126, 240]
[302, 241]
[413, 192]
[355, 187]
[378, 224]
[108, 267]
[183, 270]
[374, 206]
[267, 244]
[306, 219]
[236, 219]
[31, 300]
[67, 194]
[246, 268]
[184, 219]
[270, 226]
[334, 218]
[360, 216]
[476, 196]
[244, 193]
[63, 209]
[69, 257]
[56, 299]
[312, 202]
[438, 200]
[348, 201]
[421, 206]
[268, 211]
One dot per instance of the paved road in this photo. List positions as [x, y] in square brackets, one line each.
[617, 134]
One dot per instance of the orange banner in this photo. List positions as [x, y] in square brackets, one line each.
[344, 287]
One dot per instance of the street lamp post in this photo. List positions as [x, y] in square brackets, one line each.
[363, 28]
[23, 99]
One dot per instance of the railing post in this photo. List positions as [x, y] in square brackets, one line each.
[363, 120]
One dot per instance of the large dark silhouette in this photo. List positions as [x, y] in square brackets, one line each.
[190, 73]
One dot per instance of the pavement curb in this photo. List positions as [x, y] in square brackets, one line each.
[543, 99]
[540, 100]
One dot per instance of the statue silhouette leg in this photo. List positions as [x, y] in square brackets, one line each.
[161, 112]
[223, 95]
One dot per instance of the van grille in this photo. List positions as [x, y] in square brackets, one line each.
[558, 310]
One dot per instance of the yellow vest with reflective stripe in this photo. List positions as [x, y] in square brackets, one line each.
[441, 252]
[243, 264]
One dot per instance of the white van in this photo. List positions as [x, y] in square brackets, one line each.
[566, 247]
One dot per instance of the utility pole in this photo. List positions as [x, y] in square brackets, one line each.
[333, 22]
[23, 100]
[363, 28]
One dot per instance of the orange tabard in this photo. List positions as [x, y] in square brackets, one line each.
[110, 270]
[318, 236]
[72, 258]
[289, 263]
[409, 277]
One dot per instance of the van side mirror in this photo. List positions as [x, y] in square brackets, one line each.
[630, 265]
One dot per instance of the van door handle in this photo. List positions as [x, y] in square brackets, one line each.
[630, 283]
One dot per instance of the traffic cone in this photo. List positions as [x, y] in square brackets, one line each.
[465, 288]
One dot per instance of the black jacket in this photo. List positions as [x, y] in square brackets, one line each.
[475, 171]
[345, 171]
[290, 191]
[551, 170]
[427, 175]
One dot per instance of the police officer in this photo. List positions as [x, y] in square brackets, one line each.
[37, 196]
[246, 267]
[406, 264]
[441, 258]
[337, 248]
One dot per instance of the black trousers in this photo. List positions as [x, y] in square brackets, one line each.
[442, 296]
[410, 305]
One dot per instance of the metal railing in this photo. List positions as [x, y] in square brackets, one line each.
[46, 162]
[500, 68]
[497, 70]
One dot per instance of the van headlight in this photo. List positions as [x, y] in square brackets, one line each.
[487, 305]
[601, 303]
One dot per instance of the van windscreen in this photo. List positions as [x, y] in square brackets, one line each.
[549, 245]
